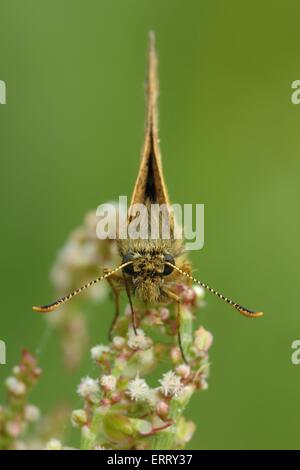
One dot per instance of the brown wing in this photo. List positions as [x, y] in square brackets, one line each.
[150, 185]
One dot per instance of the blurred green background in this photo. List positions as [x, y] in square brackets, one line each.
[71, 134]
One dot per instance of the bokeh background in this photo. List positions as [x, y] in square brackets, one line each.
[71, 134]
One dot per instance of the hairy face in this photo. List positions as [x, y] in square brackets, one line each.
[147, 273]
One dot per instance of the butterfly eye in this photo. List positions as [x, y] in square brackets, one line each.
[168, 269]
[129, 268]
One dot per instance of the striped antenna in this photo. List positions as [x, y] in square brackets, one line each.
[238, 307]
[66, 298]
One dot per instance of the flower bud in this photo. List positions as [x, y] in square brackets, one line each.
[185, 431]
[89, 389]
[31, 413]
[138, 340]
[203, 384]
[16, 370]
[108, 383]
[175, 355]
[203, 340]
[15, 386]
[188, 296]
[117, 427]
[116, 397]
[183, 370]
[162, 409]
[164, 313]
[119, 342]
[199, 291]
[13, 428]
[78, 418]
[98, 351]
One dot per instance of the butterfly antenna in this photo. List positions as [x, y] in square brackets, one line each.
[238, 307]
[66, 298]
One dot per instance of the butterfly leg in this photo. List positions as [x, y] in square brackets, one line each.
[176, 299]
[116, 294]
[133, 314]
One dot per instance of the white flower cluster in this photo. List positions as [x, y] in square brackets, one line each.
[171, 384]
[32, 413]
[138, 340]
[108, 383]
[118, 342]
[15, 386]
[98, 350]
[138, 390]
[89, 389]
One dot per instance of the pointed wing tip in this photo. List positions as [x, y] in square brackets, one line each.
[152, 42]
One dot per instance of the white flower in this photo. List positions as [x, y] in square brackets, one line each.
[88, 388]
[54, 444]
[16, 370]
[108, 382]
[15, 386]
[162, 409]
[32, 413]
[183, 370]
[171, 384]
[97, 351]
[164, 313]
[138, 389]
[118, 342]
[13, 428]
[200, 292]
[138, 339]
[200, 295]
